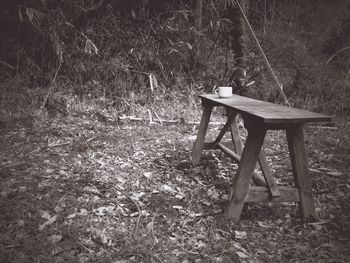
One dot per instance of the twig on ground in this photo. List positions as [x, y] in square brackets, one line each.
[133, 118]
[86, 142]
[58, 144]
[11, 165]
[152, 231]
[324, 127]
[155, 113]
[319, 223]
[150, 117]
[85, 247]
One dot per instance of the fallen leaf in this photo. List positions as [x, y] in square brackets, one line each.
[22, 188]
[318, 227]
[99, 236]
[50, 221]
[240, 234]
[334, 173]
[58, 208]
[6, 192]
[261, 251]
[205, 202]
[46, 215]
[57, 250]
[103, 210]
[136, 183]
[20, 222]
[134, 214]
[180, 196]
[92, 189]
[201, 244]
[325, 169]
[242, 255]
[83, 212]
[150, 226]
[138, 196]
[126, 166]
[261, 224]
[213, 193]
[239, 247]
[147, 174]
[167, 188]
[53, 239]
[71, 216]
[224, 197]
[279, 221]
[44, 183]
[314, 170]
[173, 239]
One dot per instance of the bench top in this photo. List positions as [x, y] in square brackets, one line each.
[267, 112]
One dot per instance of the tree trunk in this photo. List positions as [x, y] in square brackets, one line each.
[237, 36]
[198, 14]
[197, 19]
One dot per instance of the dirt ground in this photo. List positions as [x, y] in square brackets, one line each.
[76, 189]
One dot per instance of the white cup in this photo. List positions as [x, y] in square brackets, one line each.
[223, 92]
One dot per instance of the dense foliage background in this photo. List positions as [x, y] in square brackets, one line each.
[55, 53]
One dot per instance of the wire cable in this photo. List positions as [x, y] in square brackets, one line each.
[263, 54]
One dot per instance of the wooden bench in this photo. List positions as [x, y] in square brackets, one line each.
[259, 117]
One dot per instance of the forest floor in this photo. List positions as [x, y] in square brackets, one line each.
[79, 189]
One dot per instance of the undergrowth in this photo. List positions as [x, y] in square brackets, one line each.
[129, 61]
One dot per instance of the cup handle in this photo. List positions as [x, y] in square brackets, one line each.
[215, 90]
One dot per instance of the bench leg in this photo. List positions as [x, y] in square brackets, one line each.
[302, 178]
[244, 174]
[238, 146]
[271, 185]
[202, 130]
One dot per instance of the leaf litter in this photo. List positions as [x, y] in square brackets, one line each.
[81, 190]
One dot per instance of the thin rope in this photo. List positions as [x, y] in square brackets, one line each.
[263, 54]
